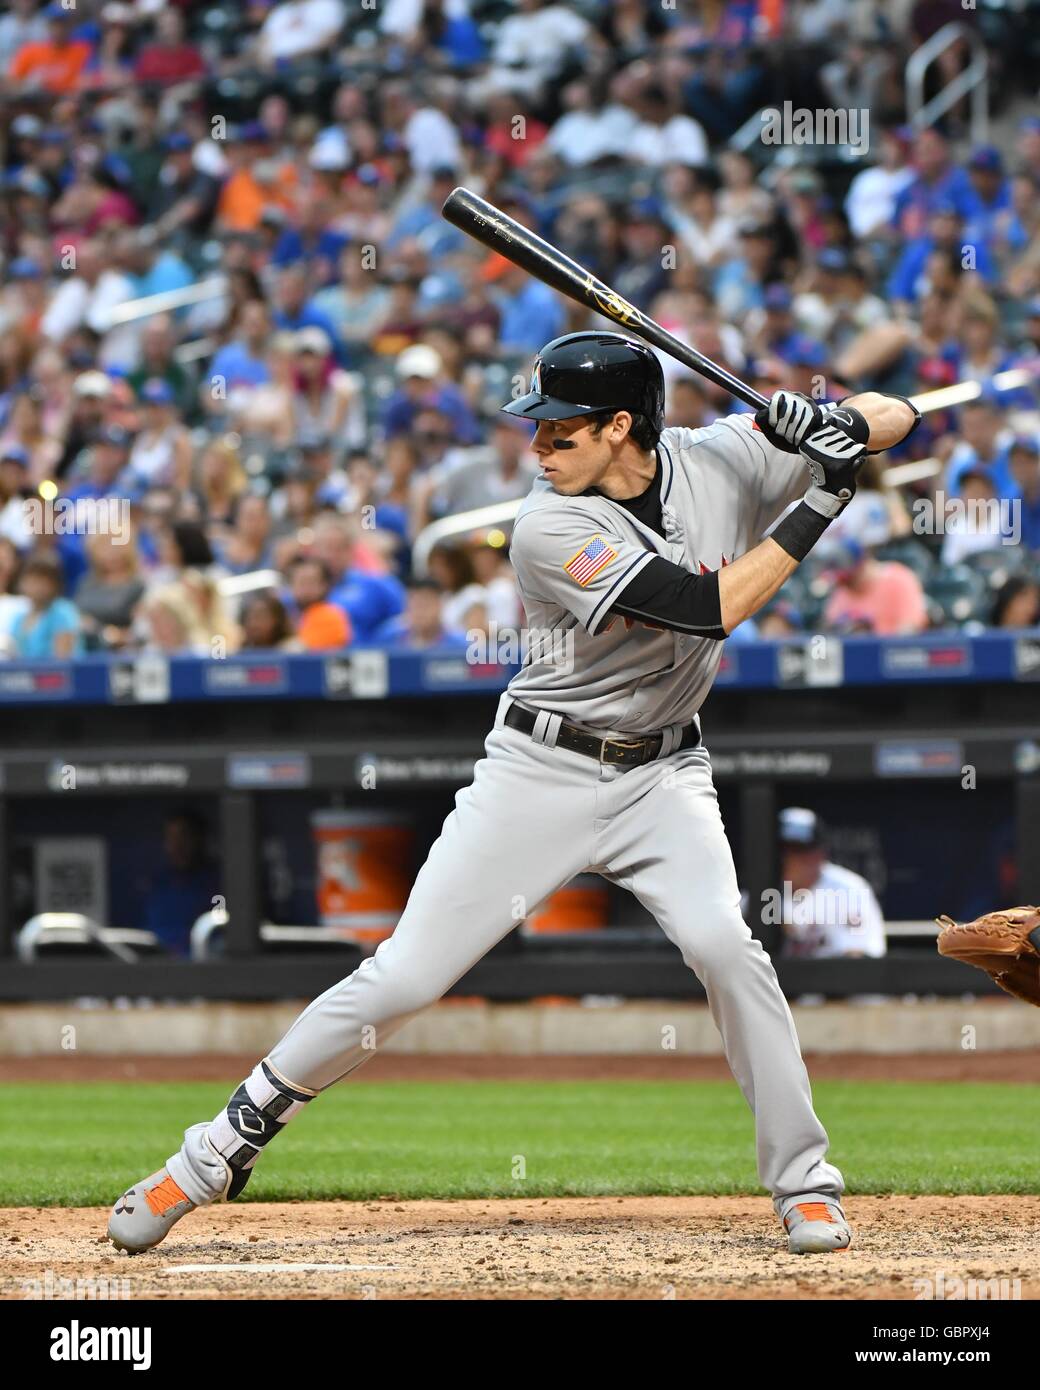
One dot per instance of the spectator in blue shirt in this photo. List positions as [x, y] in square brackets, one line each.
[910, 279]
[97, 474]
[243, 361]
[531, 312]
[984, 448]
[49, 629]
[294, 310]
[313, 242]
[368, 596]
[421, 625]
[937, 183]
[423, 220]
[420, 372]
[1024, 466]
[990, 192]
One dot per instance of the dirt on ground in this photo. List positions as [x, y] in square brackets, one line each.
[665, 1066]
[573, 1248]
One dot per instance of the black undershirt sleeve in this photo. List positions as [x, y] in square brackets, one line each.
[666, 595]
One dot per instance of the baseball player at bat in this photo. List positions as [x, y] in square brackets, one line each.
[637, 551]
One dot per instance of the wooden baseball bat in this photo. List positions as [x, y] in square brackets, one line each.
[488, 224]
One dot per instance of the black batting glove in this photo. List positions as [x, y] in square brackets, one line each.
[835, 453]
[788, 419]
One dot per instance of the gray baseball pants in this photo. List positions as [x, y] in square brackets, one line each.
[533, 817]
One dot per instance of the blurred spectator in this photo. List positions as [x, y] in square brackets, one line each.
[500, 472]
[185, 887]
[533, 45]
[870, 595]
[24, 24]
[100, 468]
[54, 63]
[978, 524]
[49, 628]
[12, 603]
[296, 29]
[871, 201]
[828, 910]
[985, 447]
[161, 452]
[168, 58]
[1024, 467]
[266, 625]
[109, 592]
[421, 625]
[368, 596]
[321, 625]
[1017, 603]
[158, 362]
[531, 313]
[171, 622]
[14, 468]
[420, 373]
[246, 544]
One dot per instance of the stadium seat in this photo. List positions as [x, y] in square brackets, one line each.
[998, 565]
[912, 553]
[957, 595]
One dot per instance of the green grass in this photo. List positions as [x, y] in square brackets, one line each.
[64, 1145]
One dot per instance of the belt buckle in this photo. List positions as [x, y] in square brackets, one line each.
[617, 743]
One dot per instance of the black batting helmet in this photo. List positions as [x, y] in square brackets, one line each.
[584, 373]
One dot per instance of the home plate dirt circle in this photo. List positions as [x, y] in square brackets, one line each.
[571, 1248]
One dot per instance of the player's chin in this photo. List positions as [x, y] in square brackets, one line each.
[559, 482]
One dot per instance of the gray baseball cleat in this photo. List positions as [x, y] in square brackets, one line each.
[193, 1177]
[816, 1228]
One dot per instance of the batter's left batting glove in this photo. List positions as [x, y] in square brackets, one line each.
[788, 419]
[835, 452]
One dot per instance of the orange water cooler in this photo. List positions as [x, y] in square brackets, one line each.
[364, 874]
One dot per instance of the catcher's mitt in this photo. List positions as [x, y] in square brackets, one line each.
[1004, 944]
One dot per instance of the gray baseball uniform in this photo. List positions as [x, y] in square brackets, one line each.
[536, 813]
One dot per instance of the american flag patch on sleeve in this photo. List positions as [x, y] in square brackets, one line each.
[590, 559]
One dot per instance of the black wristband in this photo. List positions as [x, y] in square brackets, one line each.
[799, 531]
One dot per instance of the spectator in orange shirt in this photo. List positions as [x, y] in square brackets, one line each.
[871, 595]
[322, 626]
[56, 63]
[257, 182]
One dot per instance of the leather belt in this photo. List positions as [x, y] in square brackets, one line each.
[614, 752]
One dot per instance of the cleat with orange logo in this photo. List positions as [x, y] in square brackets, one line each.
[817, 1227]
[193, 1177]
[146, 1211]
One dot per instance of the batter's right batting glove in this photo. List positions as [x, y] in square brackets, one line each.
[788, 418]
[835, 452]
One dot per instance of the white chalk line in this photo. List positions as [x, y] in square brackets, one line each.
[258, 1268]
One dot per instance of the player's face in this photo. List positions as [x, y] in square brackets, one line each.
[572, 457]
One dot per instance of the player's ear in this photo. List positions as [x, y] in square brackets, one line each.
[619, 427]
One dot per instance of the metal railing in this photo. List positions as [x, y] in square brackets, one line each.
[973, 80]
[131, 310]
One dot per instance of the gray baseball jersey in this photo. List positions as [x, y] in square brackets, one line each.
[722, 487]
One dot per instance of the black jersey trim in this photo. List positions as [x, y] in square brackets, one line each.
[596, 616]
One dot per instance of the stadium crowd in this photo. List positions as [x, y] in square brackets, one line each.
[234, 324]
